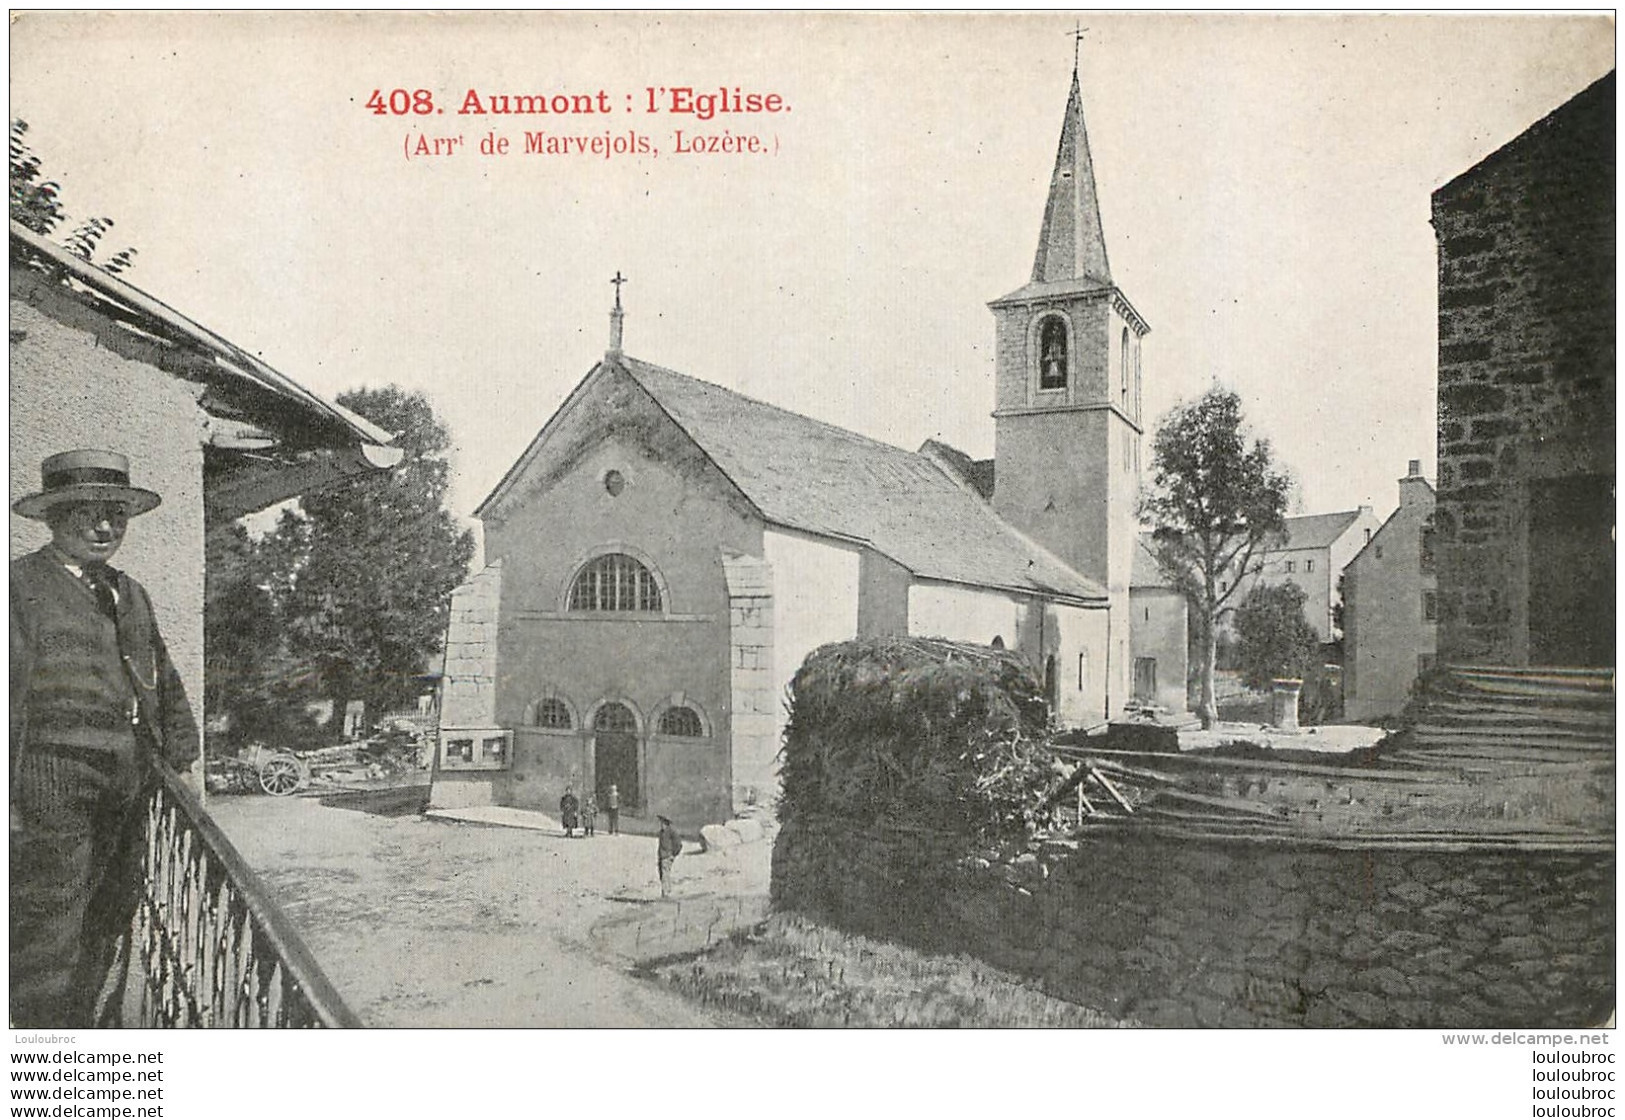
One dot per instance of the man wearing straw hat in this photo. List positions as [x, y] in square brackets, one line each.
[94, 697]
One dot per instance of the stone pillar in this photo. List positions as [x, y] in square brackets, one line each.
[1284, 704]
[468, 685]
[754, 743]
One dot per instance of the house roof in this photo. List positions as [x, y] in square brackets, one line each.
[271, 437]
[806, 475]
[1375, 539]
[1317, 530]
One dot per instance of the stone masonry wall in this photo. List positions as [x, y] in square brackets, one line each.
[1183, 933]
[468, 687]
[1526, 359]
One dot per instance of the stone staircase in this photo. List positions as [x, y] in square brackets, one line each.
[1505, 714]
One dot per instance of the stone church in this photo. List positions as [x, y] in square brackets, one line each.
[666, 552]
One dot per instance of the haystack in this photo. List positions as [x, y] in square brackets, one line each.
[922, 732]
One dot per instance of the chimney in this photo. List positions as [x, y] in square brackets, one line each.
[1409, 490]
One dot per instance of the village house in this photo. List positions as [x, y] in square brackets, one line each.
[666, 552]
[1390, 606]
[97, 362]
[1525, 545]
[1312, 555]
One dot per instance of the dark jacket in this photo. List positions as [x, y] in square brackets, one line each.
[671, 845]
[70, 685]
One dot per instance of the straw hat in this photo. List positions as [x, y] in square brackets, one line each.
[85, 476]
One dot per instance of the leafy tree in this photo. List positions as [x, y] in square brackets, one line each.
[1334, 648]
[36, 202]
[1216, 504]
[1273, 636]
[363, 572]
[252, 688]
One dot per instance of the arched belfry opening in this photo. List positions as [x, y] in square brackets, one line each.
[1054, 355]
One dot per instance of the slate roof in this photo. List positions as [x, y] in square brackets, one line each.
[1317, 530]
[804, 474]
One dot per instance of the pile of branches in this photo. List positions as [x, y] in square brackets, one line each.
[923, 732]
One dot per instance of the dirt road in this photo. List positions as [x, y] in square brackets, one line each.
[427, 923]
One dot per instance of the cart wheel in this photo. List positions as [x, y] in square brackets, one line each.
[280, 776]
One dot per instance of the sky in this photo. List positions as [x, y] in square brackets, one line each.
[1264, 186]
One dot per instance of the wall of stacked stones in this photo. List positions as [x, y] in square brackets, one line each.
[1526, 357]
[1176, 932]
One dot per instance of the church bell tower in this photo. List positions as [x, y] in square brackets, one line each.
[1067, 415]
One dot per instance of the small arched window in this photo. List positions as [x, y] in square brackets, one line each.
[553, 714]
[614, 717]
[998, 641]
[682, 721]
[615, 582]
[1053, 360]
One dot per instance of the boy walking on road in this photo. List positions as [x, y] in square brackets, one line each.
[671, 846]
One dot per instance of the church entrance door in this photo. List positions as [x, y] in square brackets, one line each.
[615, 755]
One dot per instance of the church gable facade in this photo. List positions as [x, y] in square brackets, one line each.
[611, 628]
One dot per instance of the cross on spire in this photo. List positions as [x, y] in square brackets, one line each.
[1077, 42]
[617, 317]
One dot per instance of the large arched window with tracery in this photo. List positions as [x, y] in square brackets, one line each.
[614, 582]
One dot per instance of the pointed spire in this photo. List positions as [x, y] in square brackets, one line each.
[1072, 245]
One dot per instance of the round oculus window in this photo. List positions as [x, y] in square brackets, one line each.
[614, 482]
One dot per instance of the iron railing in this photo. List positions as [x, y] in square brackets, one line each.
[208, 947]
